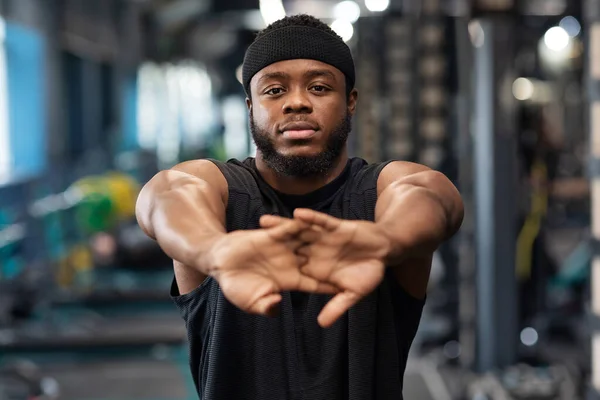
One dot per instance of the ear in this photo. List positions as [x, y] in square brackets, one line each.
[249, 104]
[352, 100]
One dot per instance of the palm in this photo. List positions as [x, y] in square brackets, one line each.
[348, 257]
[255, 266]
[260, 267]
[345, 254]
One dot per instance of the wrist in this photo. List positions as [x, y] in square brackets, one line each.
[210, 257]
[405, 243]
[395, 248]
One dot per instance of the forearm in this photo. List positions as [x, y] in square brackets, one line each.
[184, 215]
[417, 213]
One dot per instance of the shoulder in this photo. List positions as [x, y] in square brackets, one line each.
[396, 170]
[223, 176]
[382, 174]
[210, 169]
[208, 172]
[203, 168]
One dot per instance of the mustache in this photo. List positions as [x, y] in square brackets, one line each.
[299, 120]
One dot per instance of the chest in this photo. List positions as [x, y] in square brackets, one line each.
[245, 209]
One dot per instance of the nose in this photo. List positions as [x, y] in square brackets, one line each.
[297, 101]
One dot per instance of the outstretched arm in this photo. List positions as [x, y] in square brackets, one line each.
[183, 209]
[417, 210]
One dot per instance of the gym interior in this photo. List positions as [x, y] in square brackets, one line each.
[502, 96]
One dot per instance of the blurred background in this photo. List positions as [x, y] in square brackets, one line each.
[96, 96]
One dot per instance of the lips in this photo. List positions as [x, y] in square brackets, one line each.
[299, 126]
[300, 130]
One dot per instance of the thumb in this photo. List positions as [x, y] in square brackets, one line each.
[318, 219]
[267, 305]
[287, 229]
[336, 307]
[269, 221]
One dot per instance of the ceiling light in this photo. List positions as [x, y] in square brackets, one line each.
[377, 5]
[343, 28]
[557, 39]
[570, 25]
[347, 11]
[523, 89]
[271, 10]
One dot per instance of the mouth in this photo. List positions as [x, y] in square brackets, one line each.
[299, 131]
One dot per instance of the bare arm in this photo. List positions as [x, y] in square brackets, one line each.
[418, 208]
[183, 209]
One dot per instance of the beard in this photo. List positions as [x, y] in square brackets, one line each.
[302, 166]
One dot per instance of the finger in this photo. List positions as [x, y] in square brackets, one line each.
[336, 308]
[303, 251]
[311, 285]
[286, 230]
[267, 305]
[325, 221]
[301, 260]
[269, 221]
[294, 244]
[311, 235]
[317, 271]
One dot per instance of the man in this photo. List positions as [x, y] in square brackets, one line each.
[301, 273]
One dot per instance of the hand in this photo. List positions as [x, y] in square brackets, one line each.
[346, 254]
[254, 266]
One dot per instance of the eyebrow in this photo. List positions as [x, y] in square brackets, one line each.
[319, 72]
[313, 73]
[272, 75]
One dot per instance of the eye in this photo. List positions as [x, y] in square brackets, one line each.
[319, 88]
[274, 91]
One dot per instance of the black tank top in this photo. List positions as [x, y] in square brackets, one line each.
[237, 356]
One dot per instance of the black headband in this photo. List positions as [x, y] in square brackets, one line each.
[296, 42]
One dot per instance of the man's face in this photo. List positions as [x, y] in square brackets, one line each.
[300, 116]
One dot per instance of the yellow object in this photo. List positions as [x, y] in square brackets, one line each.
[81, 258]
[108, 199]
[65, 274]
[123, 191]
[531, 227]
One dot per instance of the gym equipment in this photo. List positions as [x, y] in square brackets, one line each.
[532, 225]
[99, 201]
[521, 382]
[104, 201]
[22, 379]
[89, 206]
[575, 269]
[159, 372]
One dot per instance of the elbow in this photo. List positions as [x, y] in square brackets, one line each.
[437, 186]
[450, 199]
[164, 189]
[161, 183]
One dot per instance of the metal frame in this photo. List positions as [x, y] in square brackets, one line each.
[592, 15]
[495, 180]
[466, 285]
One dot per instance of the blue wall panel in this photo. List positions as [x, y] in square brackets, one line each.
[25, 56]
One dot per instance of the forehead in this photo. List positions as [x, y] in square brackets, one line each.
[297, 68]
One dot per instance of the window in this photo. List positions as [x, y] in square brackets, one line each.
[175, 110]
[25, 91]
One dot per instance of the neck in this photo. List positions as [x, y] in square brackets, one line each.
[296, 185]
